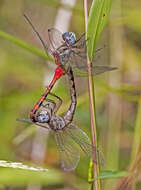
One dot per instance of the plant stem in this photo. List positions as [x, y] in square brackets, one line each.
[96, 183]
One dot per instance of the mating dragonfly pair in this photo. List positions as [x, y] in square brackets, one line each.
[69, 54]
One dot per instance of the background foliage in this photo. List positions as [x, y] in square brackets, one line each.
[24, 73]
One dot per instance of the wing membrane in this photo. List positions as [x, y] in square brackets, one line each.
[55, 37]
[81, 138]
[69, 154]
[78, 56]
[96, 70]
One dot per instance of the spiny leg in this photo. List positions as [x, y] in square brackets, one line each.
[58, 104]
[50, 103]
[80, 38]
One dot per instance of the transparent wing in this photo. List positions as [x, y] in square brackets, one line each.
[78, 59]
[81, 138]
[38, 34]
[55, 37]
[78, 56]
[69, 154]
[80, 43]
[30, 122]
[96, 70]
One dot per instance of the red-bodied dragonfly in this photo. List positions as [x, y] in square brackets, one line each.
[67, 135]
[66, 50]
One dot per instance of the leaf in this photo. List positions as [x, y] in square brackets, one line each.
[20, 165]
[24, 45]
[109, 174]
[17, 173]
[98, 16]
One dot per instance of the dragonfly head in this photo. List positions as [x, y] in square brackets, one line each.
[43, 117]
[69, 38]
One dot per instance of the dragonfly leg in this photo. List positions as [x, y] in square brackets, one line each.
[49, 103]
[80, 38]
[58, 104]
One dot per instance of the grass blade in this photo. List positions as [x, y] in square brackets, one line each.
[98, 17]
[24, 45]
[109, 174]
[17, 173]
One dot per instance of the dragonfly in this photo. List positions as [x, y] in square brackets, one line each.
[67, 51]
[69, 138]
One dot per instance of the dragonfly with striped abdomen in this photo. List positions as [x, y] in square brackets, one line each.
[66, 51]
[68, 137]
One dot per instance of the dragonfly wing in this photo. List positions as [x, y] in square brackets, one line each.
[78, 59]
[81, 138]
[55, 37]
[80, 42]
[69, 154]
[30, 122]
[96, 70]
[78, 54]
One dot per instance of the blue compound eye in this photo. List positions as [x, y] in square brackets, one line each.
[66, 35]
[43, 118]
[72, 38]
[69, 37]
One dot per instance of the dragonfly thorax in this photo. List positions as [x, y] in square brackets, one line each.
[57, 123]
[64, 56]
[61, 56]
[69, 38]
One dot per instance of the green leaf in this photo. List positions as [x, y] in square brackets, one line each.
[17, 173]
[24, 45]
[109, 174]
[98, 16]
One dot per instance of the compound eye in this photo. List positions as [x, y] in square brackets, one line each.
[72, 38]
[65, 36]
[43, 118]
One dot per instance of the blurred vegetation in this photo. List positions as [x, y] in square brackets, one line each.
[23, 71]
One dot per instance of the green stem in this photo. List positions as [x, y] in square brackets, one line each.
[95, 172]
[137, 134]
